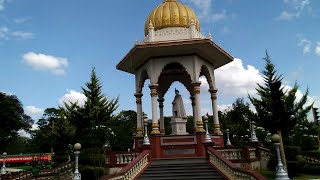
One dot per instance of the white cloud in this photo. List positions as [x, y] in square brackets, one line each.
[286, 16]
[236, 80]
[73, 96]
[2, 2]
[317, 50]
[21, 20]
[296, 7]
[204, 10]
[44, 62]
[4, 32]
[224, 107]
[32, 110]
[305, 44]
[23, 35]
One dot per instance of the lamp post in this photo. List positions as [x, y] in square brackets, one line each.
[77, 175]
[281, 173]
[3, 168]
[228, 143]
[207, 138]
[70, 151]
[253, 132]
[146, 140]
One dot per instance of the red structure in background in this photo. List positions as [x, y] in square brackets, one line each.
[27, 158]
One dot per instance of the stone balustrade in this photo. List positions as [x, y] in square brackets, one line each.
[27, 175]
[134, 168]
[231, 154]
[229, 169]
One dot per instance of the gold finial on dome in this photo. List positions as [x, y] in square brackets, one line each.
[171, 13]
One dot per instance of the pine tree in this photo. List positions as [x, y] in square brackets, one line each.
[93, 120]
[278, 110]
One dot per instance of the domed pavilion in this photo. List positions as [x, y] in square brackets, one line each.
[174, 49]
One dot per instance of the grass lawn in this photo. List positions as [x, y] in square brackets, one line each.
[268, 174]
[272, 175]
[25, 168]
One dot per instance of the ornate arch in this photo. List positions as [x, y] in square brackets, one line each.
[142, 77]
[204, 71]
[171, 73]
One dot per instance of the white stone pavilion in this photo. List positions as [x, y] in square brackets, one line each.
[174, 49]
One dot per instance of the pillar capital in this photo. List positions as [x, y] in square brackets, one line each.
[138, 97]
[153, 88]
[196, 87]
[196, 83]
[213, 90]
[213, 93]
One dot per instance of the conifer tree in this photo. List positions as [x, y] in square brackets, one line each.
[278, 110]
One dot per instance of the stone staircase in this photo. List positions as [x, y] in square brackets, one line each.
[182, 168]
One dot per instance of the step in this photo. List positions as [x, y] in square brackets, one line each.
[182, 178]
[182, 168]
[197, 166]
[180, 171]
[179, 161]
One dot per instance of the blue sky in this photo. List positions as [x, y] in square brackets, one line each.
[47, 48]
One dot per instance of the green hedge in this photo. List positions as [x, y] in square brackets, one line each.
[311, 169]
[93, 157]
[91, 173]
[313, 153]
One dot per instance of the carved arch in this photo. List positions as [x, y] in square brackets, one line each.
[142, 77]
[171, 73]
[204, 71]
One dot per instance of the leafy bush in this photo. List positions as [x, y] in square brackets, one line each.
[295, 167]
[291, 152]
[314, 153]
[60, 159]
[91, 173]
[311, 169]
[93, 157]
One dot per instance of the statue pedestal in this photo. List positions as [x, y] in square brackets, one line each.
[178, 126]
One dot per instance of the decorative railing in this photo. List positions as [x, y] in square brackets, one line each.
[27, 175]
[16, 175]
[120, 159]
[231, 154]
[132, 169]
[228, 169]
[264, 153]
[311, 160]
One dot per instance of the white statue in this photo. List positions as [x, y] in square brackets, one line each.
[179, 117]
[177, 106]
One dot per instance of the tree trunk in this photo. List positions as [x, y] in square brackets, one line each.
[283, 157]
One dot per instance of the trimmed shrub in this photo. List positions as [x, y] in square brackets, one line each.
[314, 153]
[291, 152]
[93, 157]
[91, 172]
[311, 169]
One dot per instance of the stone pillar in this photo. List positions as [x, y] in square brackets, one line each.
[196, 92]
[216, 123]
[193, 103]
[139, 114]
[154, 94]
[162, 129]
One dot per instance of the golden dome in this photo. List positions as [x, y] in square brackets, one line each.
[171, 13]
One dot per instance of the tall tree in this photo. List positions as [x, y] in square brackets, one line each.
[12, 119]
[237, 119]
[92, 120]
[278, 110]
[124, 128]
